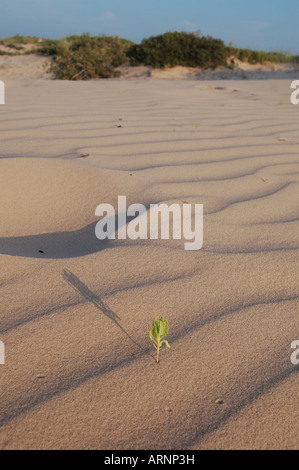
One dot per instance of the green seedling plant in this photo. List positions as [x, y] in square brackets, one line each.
[157, 333]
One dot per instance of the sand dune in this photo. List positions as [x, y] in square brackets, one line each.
[76, 312]
[36, 67]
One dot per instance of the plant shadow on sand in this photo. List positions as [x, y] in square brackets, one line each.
[93, 298]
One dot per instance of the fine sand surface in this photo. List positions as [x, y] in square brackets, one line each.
[80, 372]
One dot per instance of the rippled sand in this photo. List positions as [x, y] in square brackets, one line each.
[76, 312]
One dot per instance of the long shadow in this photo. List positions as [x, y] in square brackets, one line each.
[56, 245]
[93, 298]
[64, 383]
[61, 245]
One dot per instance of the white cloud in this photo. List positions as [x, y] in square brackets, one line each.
[109, 16]
[189, 24]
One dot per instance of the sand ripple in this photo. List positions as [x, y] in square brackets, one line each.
[75, 312]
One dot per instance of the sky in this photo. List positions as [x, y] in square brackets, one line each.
[255, 24]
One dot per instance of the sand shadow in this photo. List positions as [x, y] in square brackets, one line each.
[54, 245]
[60, 245]
[93, 298]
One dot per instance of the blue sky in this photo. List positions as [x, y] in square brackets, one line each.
[256, 24]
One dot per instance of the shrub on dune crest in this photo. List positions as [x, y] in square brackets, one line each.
[84, 57]
[186, 49]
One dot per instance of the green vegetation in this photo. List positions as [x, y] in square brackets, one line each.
[260, 57]
[84, 57]
[18, 42]
[171, 49]
[157, 333]
[5, 53]
[194, 50]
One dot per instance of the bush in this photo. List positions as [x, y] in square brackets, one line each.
[18, 40]
[171, 49]
[259, 57]
[84, 57]
[48, 47]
